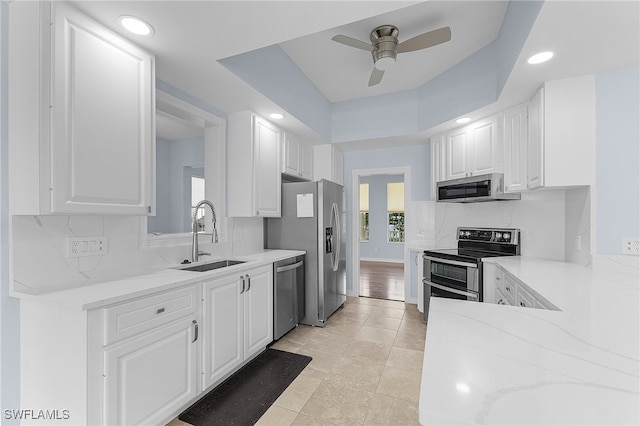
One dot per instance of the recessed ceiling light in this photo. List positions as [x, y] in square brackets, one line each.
[463, 387]
[135, 25]
[463, 120]
[276, 116]
[539, 58]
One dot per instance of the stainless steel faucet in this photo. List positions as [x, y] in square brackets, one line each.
[195, 252]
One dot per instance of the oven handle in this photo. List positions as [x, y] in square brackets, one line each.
[450, 262]
[452, 290]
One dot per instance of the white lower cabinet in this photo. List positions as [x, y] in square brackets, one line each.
[144, 360]
[148, 378]
[238, 319]
[510, 291]
[143, 338]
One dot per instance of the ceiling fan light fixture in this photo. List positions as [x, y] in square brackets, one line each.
[385, 63]
[539, 58]
[135, 25]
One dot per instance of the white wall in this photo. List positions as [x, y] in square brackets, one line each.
[41, 241]
[617, 159]
[578, 224]
[540, 216]
[9, 307]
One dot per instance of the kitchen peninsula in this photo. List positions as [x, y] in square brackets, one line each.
[493, 364]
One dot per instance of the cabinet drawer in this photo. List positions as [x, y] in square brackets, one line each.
[501, 299]
[524, 298]
[508, 288]
[131, 318]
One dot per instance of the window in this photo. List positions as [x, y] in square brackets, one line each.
[395, 212]
[364, 212]
[197, 195]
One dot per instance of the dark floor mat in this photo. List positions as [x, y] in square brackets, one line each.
[245, 396]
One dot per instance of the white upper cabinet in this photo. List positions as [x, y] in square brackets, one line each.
[82, 115]
[456, 154]
[473, 150]
[297, 157]
[562, 134]
[253, 185]
[437, 162]
[328, 163]
[515, 149]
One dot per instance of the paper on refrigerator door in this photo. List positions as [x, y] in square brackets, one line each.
[304, 205]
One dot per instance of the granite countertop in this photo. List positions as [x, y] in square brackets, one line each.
[106, 292]
[496, 364]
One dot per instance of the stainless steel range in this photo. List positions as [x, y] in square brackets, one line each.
[457, 273]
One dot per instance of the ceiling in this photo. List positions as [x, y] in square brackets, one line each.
[191, 37]
[341, 73]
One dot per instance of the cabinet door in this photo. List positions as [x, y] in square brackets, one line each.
[291, 155]
[223, 321]
[258, 311]
[306, 161]
[266, 146]
[456, 154]
[150, 377]
[515, 149]
[103, 125]
[437, 163]
[484, 148]
[535, 151]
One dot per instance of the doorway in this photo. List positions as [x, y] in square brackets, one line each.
[379, 219]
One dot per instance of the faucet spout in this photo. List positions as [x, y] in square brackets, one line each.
[195, 252]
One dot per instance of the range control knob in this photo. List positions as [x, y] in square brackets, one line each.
[461, 233]
[506, 236]
[467, 234]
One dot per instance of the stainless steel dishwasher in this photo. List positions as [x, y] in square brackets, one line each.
[288, 295]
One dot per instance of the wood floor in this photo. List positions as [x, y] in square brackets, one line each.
[382, 280]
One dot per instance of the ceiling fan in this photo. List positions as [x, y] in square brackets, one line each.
[385, 47]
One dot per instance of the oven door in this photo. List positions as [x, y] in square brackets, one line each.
[449, 278]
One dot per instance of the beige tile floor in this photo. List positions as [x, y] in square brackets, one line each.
[366, 368]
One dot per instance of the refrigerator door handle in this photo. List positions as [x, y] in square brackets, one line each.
[336, 235]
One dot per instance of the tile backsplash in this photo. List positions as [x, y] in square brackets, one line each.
[539, 215]
[39, 249]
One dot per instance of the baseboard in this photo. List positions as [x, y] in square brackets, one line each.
[369, 259]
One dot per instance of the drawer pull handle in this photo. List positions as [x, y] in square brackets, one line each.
[159, 311]
[243, 284]
[248, 282]
[194, 322]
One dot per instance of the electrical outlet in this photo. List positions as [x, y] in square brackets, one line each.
[86, 246]
[577, 243]
[631, 246]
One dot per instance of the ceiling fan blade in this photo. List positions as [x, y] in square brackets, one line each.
[350, 41]
[428, 39]
[376, 77]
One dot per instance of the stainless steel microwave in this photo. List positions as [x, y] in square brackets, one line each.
[489, 187]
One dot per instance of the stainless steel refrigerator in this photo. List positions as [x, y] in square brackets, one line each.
[313, 220]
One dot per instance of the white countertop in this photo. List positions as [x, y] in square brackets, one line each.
[98, 294]
[496, 364]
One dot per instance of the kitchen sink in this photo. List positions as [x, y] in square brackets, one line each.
[213, 265]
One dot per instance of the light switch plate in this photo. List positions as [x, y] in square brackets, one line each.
[86, 246]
